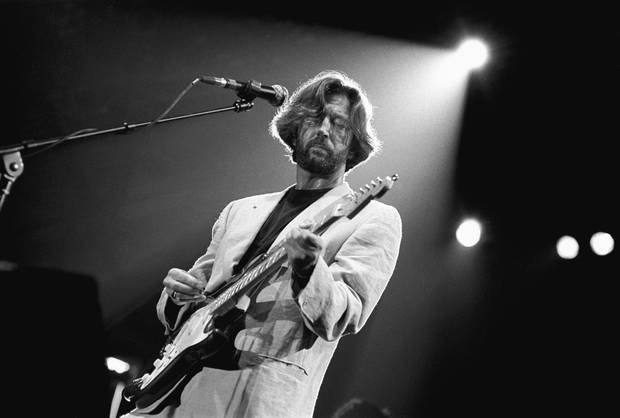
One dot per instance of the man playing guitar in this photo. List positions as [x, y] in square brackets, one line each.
[283, 329]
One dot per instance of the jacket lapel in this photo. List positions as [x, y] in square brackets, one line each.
[251, 220]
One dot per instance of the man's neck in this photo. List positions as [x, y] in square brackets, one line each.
[307, 180]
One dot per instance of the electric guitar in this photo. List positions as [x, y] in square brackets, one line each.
[208, 328]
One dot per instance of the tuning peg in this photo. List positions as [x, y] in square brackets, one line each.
[373, 183]
[379, 180]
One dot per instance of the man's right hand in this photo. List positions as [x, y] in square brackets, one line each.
[183, 288]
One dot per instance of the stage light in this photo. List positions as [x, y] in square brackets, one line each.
[468, 233]
[116, 365]
[602, 243]
[472, 54]
[567, 247]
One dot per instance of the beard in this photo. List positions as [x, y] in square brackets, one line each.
[323, 162]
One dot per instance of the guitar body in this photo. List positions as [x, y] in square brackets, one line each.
[197, 343]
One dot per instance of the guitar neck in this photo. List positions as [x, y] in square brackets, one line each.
[275, 258]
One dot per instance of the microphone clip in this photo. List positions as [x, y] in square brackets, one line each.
[249, 89]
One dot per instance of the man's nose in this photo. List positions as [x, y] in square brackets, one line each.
[325, 126]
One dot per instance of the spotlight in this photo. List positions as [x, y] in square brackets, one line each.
[472, 54]
[602, 243]
[567, 247]
[468, 233]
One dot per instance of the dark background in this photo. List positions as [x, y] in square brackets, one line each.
[504, 328]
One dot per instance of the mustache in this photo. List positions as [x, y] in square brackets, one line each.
[317, 141]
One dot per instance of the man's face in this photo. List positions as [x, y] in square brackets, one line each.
[323, 143]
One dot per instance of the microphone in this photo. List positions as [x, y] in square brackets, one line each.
[276, 94]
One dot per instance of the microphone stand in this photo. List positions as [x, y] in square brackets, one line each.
[12, 165]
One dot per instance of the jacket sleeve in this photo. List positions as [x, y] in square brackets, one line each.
[338, 299]
[170, 314]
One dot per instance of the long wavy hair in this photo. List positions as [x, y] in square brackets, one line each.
[310, 98]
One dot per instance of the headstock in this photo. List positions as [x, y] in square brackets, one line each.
[360, 198]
